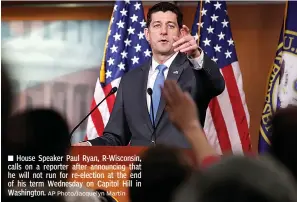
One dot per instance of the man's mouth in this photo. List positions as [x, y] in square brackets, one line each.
[163, 41]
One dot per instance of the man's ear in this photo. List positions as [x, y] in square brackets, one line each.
[147, 34]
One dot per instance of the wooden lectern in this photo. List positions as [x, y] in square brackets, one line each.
[90, 167]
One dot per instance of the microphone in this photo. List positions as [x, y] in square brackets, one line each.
[112, 91]
[153, 138]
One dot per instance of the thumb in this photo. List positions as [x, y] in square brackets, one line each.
[185, 30]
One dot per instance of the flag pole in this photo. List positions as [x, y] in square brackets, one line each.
[200, 19]
[102, 68]
[284, 28]
[285, 19]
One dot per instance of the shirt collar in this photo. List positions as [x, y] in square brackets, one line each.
[167, 63]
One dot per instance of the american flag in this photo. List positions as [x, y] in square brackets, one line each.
[125, 50]
[227, 117]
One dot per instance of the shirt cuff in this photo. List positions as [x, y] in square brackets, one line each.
[197, 62]
[89, 143]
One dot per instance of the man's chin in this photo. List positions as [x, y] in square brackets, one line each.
[166, 52]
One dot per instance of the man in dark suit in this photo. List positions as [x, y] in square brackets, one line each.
[176, 56]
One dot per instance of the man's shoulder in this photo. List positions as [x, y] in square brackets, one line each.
[135, 73]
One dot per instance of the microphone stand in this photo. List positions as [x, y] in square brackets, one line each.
[153, 139]
[112, 91]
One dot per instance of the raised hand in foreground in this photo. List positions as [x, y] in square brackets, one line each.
[180, 106]
[182, 112]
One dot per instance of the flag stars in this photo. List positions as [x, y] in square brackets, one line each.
[127, 42]
[120, 24]
[121, 66]
[210, 29]
[214, 59]
[225, 23]
[115, 8]
[140, 35]
[214, 18]
[110, 61]
[203, 12]
[117, 37]
[143, 23]
[200, 24]
[114, 49]
[230, 42]
[221, 36]
[108, 74]
[123, 12]
[127, 47]
[137, 48]
[137, 6]
[124, 54]
[135, 60]
[217, 5]
[228, 54]
[207, 1]
[217, 48]
[196, 37]
[134, 18]
[147, 53]
[131, 30]
[206, 42]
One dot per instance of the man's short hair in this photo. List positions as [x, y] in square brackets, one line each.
[165, 6]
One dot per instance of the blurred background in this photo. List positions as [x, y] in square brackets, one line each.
[54, 63]
[55, 50]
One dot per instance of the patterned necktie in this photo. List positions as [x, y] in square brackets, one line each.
[157, 90]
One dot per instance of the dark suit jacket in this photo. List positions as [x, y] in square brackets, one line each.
[130, 121]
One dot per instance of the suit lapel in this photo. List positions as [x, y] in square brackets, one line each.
[143, 101]
[175, 71]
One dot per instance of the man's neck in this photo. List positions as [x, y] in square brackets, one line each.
[161, 59]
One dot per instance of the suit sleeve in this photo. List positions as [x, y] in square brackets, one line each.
[116, 132]
[215, 80]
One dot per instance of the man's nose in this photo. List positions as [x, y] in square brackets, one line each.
[164, 30]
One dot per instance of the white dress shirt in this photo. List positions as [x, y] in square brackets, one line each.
[153, 72]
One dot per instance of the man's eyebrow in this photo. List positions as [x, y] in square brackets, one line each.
[171, 22]
[157, 21]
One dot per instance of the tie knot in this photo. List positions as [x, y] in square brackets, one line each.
[161, 68]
